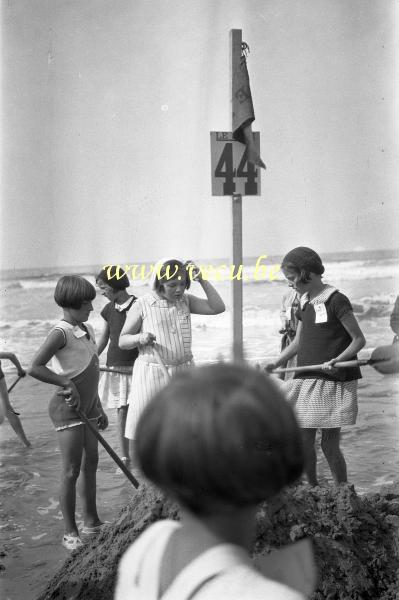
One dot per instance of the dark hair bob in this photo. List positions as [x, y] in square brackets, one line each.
[169, 270]
[114, 276]
[219, 436]
[303, 261]
[72, 290]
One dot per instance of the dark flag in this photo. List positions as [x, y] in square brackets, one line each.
[243, 109]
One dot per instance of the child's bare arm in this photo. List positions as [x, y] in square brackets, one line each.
[213, 305]
[288, 352]
[104, 338]
[12, 357]
[38, 369]
[130, 335]
[358, 340]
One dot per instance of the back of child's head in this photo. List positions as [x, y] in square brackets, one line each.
[114, 276]
[72, 290]
[169, 270]
[219, 436]
[303, 261]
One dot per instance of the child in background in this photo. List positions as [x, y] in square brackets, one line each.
[289, 322]
[327, 333]
[6, 409]
[163, 316]
[115, 387]
[218, 440]
[394, 320]
[75, 369]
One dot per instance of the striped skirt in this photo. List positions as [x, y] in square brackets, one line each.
[147, 379]
[322, 403]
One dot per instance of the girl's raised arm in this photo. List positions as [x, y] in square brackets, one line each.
[213, 305]
[130, 335]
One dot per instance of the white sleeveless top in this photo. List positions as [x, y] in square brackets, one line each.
[75, 356]
[223, 572]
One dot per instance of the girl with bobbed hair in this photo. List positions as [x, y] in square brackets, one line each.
[217, 439]
[327, 332]
[163, 317]
[115, 387]
[71, 346]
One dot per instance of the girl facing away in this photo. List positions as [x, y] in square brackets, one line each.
[163, 316]
[218, 440]
[75, 370]
[6, 409]
[115, 387]
[327, 332]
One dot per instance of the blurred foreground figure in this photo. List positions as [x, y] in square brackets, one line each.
[218, 440]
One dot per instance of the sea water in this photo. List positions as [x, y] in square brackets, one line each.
[31, 526]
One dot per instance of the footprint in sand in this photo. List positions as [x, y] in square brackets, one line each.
[44, 510]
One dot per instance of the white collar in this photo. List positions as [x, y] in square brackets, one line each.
[324, 295]
[121, 307]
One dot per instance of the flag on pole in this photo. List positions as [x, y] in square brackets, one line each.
[243, 109]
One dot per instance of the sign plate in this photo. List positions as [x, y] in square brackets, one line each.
[231, 173]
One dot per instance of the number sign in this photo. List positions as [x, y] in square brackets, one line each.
[231, 173]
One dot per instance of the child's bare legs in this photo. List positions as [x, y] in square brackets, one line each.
[71, 446]
[308, 438]
[87, 481]
[332, 452]
[121, 413]
[7, 411]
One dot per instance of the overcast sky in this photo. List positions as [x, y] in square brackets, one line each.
[106, 112]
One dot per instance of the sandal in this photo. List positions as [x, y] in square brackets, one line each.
[71, 542]
[91, 530]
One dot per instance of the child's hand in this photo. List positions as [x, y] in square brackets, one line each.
[147, 339]
[21, 372]
[270, 368]
[194, 272]
[102, 421]
[329, 366]
[71, 395]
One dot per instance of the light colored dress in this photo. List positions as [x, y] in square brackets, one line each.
[224, 572]
[170, 322]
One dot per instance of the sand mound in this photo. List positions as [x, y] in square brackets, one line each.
[355, 538]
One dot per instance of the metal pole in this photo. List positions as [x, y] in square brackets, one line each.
[238, 352]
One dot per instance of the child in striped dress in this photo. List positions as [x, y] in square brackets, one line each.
[163, 316]
[327, 333]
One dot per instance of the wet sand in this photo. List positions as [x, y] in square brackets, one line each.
[32, 527]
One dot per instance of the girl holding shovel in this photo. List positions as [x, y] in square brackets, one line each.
[328, 332]
[72, 348]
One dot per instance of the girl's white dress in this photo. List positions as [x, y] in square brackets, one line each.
[170, 322]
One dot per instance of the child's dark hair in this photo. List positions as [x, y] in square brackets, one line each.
[169, 270]
[303, 261]
[219, 436]
[72, 290]
[114, 276]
